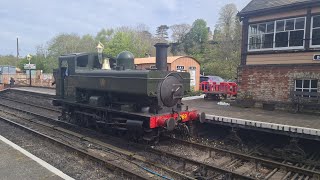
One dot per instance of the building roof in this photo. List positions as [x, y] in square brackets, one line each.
[152, 60]
[264, 5]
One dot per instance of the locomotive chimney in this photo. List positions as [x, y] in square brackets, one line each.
[161, 56]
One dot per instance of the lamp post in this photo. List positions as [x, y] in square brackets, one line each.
[29, 59]
[100, 48]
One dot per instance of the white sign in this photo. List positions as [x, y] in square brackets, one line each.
[180, 67]
[316, 57]
[29, 66]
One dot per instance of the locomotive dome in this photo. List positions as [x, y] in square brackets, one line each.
[125, 59]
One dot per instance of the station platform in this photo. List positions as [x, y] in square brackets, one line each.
[40, 90]
[17, 163]
[295, 125]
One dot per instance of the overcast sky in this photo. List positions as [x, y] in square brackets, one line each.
[37, 21]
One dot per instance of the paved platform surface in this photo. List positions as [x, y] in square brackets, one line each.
[49, 91]
[15, 165]
[276, 120]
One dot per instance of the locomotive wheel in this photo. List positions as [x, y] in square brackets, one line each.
[151, 136]
[183, 131]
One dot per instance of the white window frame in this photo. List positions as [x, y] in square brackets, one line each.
[302, 88]
[311, 29]
[274, 35]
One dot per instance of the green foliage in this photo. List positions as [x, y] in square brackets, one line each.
[193, 93]
[70, 43]
[220, 56]
[195, 40]
[121, 41]
[42, 63]
[127, 39]
[8, 60]
[104, 35]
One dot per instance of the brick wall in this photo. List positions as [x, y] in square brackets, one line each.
[273, 83]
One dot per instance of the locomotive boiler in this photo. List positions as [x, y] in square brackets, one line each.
[139, 103]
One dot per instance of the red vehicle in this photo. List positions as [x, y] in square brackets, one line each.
[215, 87]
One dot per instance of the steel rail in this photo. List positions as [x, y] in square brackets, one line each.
[30, 104]
[247, 157]
[272, 163]
[28, 93]
[128, 154]
[159, 152]
[110, 165]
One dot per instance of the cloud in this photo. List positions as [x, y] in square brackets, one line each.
[37, 21]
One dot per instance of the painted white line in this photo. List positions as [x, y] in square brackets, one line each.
[193, 98]
[265, 125]
[36, 159]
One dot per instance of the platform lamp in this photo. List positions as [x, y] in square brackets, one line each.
[29, 59]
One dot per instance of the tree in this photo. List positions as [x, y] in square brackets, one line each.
[224, 56]
[138, 40]
[8, 60]
[179, 31]
[227, 20]
[162, 33]
[121, 41]
[87, 44]
[104, 35]
[63, 44]
[195, 40]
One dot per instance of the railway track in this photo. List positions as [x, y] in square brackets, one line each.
[216, 170]
[230, 169]
[110, 165]
[31, 104]
[94, 148]
[294, 170]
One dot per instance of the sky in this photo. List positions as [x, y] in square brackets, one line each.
[35, 22]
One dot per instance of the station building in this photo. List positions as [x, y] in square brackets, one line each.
[280, 51]
[175, 63]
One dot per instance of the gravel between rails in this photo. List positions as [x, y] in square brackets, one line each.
[67, 161]
[137, 166]
[195, 154]
[171, 162]
[26, 107]
[36, 99]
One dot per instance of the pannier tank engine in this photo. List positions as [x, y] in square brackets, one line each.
[109, 93]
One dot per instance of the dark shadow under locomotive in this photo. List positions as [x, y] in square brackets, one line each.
[116, 96]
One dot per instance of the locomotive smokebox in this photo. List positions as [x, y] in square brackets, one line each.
[161, 56]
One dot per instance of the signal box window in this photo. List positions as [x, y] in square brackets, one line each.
[315, 38]
[274, 35]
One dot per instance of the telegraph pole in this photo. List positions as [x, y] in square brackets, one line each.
[17, 49]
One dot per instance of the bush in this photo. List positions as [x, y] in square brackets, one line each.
[193, 93]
